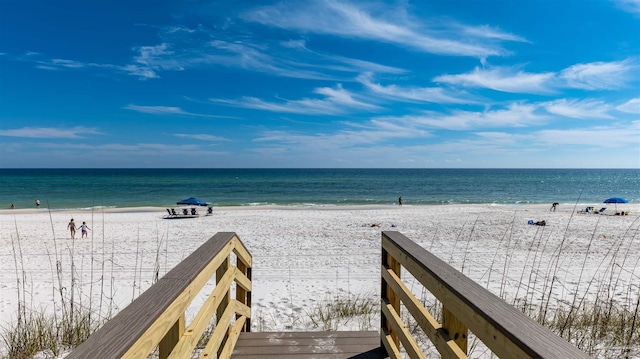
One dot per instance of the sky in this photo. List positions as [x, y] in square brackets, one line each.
[320, 84]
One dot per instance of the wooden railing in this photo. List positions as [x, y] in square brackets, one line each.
[465, 306]
[156, 319]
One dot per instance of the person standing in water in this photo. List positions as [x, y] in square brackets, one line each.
[72, 227]
[399, 201]
[84, 229]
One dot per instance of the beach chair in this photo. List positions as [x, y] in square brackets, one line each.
[169, 211]
[173, 212]
[210, 210]
[185, 212]
[601, 211]
[193, 212]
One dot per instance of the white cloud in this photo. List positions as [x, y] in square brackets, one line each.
[336, 101]
[49, 132]
[598, 75]
[354, 135]
[345, 19]
[505, 79]
[631, 106]
[167, 110]
[516, 115]
[414, 94]
[151, 59]
[631, 6]
[590, 76]
[488, 32]
[584, 109]
[68, 63]
[600, 136]
[157, 110]
[202, 137]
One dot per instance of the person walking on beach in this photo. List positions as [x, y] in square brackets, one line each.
[399, 201]
[72, 227]
[84, 229]
[553, 206]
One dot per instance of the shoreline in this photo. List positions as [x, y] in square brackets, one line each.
[350, 207]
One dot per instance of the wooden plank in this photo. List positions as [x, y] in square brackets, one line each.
[390, 345]
[202, 319]
[408, 341]
[241, 251]
[234, 333]
[360, 345]
[244, 283]
[447, 348]
[243, 295]
[171, 339]
[505, 330]
[364, 335]
[123, 336]
[224, 299]
[388, 294]
[216, 341]
[455, 328]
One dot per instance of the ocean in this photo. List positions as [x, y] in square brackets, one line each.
[99, 188]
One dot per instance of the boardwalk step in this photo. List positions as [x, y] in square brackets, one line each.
[303, 345]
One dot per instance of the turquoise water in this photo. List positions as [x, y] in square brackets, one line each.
[84, 188]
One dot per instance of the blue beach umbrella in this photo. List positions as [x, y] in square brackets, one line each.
[615, 200]
[192, 201]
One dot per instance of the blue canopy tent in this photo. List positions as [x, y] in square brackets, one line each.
[615, 200]
[192, 201]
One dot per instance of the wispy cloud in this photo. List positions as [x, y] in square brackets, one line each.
[202, 137]
[167, 110]
[156, 110]
[488, 32]
[603, 136]
[589, 76]
[515, 115]
[348, 20]
[351, 137]
[598, 75]
[505, 79]
[414, 94]
[631, 6]
[335, 101]
[584, 109]
[631, 106]
[50, 132]
[151, 59]
[68, 63]
[591, 137]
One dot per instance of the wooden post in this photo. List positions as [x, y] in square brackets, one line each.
[242, 295]
[171, 338]
[224, 266]
[389, 295]
[456, 329]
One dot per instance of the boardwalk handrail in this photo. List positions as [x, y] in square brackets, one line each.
[465, 306]
[157, 317]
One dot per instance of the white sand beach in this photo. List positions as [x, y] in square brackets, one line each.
[306, 256]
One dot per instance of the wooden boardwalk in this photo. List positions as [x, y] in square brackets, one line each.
[308, 345]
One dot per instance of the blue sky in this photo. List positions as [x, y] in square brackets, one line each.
[487, 84]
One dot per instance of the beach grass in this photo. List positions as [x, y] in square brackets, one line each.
[333, 314]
